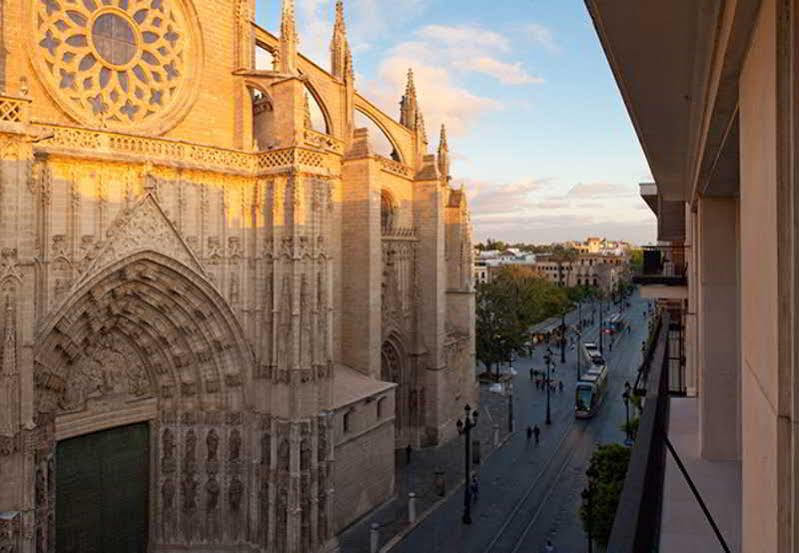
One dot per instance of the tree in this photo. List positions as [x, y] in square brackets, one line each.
[636, 260]
[506, 308]
[499, 332]
[606, 472]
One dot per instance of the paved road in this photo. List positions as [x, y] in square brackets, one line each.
[530, 493]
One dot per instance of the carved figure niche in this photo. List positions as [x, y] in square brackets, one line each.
[263, 117]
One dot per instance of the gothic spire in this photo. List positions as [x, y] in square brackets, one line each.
[443, 153]
[408, 106]
[340, 54]
[288, 38]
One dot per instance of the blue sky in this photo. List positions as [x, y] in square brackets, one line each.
[539, 134]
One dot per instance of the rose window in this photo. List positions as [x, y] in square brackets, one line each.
[117, 63]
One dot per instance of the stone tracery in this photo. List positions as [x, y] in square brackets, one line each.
[116, 64]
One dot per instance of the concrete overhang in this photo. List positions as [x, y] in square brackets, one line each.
[677, 63]
[649, 193]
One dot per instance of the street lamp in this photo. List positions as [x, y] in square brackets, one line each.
[626, 396]
[466, 428]
[510, 406]
[579, 350]
[563, 336]
[588, 496]
[548, 360]
[601, 346]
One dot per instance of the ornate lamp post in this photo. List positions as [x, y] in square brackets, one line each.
[466, 428]
[579, 347]
[601, 346]
[626, 397]
[588, 496]
[563, 336]
[548, 360]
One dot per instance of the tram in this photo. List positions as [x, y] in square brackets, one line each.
[592, 355]
[614, 324]
[590, 391]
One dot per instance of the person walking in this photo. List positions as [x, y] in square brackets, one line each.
[536, 433]
[560, 386]
[549, 548]
[532, 373]
[529, 432]
[475, 488]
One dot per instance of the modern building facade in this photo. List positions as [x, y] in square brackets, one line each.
[711, 88]
[222, 311]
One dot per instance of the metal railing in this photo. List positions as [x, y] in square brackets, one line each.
[636, 526]
[663, 265]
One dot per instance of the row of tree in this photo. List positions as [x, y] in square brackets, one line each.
[510, 304]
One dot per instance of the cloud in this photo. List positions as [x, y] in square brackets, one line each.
[600, 190]
[470, 36]
[538, 210]
[441, 99]
[487, 199]
[541, 35]
[506, 73]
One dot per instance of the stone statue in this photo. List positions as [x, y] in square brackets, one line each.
[212, 443]
[235, 494]
[211, 494]
[235, 445]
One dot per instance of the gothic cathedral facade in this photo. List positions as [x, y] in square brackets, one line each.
[221, 309]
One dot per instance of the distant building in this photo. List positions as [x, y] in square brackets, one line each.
[490, 261]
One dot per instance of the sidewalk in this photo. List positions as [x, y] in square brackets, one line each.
[419, 477]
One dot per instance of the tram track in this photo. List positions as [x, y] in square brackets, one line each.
[520, 512]
[514, 531]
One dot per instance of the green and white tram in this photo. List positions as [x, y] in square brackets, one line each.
[590, 391]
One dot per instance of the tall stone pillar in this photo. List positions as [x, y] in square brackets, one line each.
[362, 243]
[719, 291]
[432, 284]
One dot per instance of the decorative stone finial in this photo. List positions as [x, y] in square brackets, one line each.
[288, 38]
[408, 105]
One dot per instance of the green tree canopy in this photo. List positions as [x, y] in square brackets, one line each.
[507, 307]
[607, 470]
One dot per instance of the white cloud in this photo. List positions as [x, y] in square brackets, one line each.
[600, 190]
[469, 36]
[541, 35]
[441, 99]
[506, 73]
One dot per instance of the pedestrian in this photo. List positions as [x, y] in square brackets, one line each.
[549, 548]
[536, 433]
[475, 488]
[408, 450]
[560, 386]
[532, 373]
[529, 432]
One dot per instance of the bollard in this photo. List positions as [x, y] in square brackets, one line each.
[374, 537]
[496, 435]
[411, 507]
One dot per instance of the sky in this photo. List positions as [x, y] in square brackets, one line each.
[538, 132]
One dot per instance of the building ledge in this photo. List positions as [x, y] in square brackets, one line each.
[665, 280]
[664, 291]
[684, 528]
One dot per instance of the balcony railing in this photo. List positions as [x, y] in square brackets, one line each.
[636, 526]
[663, 265]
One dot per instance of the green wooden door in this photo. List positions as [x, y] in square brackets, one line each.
[102, 484]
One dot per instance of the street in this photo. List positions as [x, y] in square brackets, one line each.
[529, 493]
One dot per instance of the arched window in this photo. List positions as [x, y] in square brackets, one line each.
[387, 211]
[264, 59]
[318, 121]
[380, 142]
[262, 120]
